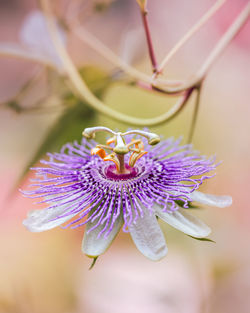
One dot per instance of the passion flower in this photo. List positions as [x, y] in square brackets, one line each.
[127, 183]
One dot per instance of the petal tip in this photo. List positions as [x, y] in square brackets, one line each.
[161, 253]
[206, 231]
[213, 200]
[224, 201]
[28, 225]
[228, 201]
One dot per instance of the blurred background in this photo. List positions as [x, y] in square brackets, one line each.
[46, 272]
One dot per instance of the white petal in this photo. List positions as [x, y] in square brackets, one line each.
[185, 222]
[148, 237]
[41, 220]
[213, 200]
[93, 246]
[34, 33]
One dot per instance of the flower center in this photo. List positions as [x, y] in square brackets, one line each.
[111, 172]
[118, 148]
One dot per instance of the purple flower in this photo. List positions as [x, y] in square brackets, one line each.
[80, 188]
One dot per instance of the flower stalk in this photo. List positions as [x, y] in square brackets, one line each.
[144, 15]
[189, 34]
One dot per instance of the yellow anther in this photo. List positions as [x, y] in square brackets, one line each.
[98, 151]
[139, 145]
[104, 147]
[112, 157]
[110, 141]
[135, 156]
[133, 142]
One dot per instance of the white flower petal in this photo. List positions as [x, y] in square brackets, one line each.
[35, 35]
[213, 200]
[185, 222]
[94, 246]
[45, 219]
[41, 220]
[148, 237]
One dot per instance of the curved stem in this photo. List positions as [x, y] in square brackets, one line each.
[83, 91]
[226, 39]
[93, 42]
[22, 92]
[219, 48]
[162, 84]
[195, 114]
[18, 52]
[190, 33]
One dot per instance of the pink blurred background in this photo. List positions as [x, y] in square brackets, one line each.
[46, 272]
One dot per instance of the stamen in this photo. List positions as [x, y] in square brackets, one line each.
[110, 141]
[135, 156]
[112, 157]
[105, 147]
[133, 142]
[98, 151]
[120, 146]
